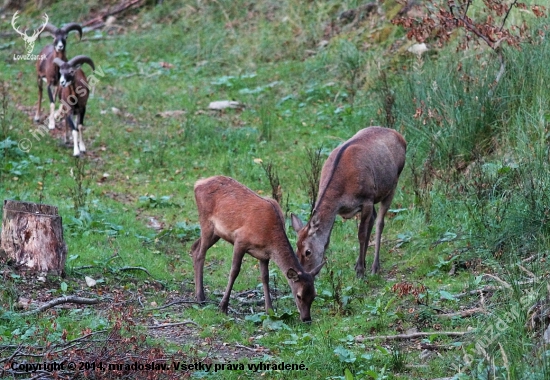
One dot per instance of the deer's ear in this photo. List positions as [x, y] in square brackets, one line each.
[297, 223]
[314, 223]
[316, 270]
[292, 275]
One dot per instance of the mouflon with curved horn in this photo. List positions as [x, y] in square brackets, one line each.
[48, 71]
[74, 97]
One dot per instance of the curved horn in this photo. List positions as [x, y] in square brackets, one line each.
[58, 61]
[80, 59]
[50, 28]
[73, 26]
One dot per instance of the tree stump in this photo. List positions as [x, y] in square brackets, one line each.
[32, 237]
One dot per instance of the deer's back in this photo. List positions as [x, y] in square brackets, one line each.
[238, 213]
[367, 165]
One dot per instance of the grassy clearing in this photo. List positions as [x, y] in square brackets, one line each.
[472, 200]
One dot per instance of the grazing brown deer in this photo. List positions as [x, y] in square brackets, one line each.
[358, 174]
[254, 225]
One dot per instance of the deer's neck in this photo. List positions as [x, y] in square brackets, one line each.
[284, 257]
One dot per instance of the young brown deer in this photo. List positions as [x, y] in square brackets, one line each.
[358, 174]
[254, 225]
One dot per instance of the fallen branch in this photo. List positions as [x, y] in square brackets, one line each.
[98, 38]
[98, 25]
[530, 258]
[52, 349]
[140, 74]
[77, 340]
[172, 325]
[17, 350]
[134, 268]
[492, 288]
[411, 336]
[463, 313]
[85, 267]
[178, 303]
[485, 289]
[120, 8]
[246, 348]
[435, 347]
[504, 283]
[62, 300]
[257, 302]
[245, 293]
[531, 274]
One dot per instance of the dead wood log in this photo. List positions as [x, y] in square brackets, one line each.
[32, 237]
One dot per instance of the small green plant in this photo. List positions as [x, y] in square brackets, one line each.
[81, 186]
[86, 224]
[272, 321]
[151, 201]
[181, 231]
[312, 175]
[397, 359]
[388, 100]
[345, 355]
[267, 122]
[340, 295]
[274, 182]
[351, 65]
[12, 162]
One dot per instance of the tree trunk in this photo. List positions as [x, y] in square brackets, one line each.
[32, 237]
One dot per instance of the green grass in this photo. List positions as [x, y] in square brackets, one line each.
[473, 195]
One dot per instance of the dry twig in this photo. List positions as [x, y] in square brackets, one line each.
[490, 288]
[504, 283]
[246, 348]
[531, 274]
[172, 325]
[62, 300]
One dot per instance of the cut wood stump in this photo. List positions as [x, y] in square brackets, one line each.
[32, 237]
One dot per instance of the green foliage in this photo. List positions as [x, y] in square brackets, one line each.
[151, 201]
